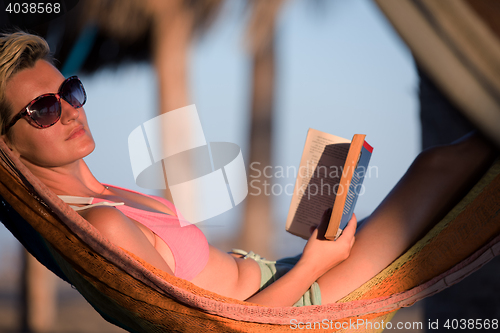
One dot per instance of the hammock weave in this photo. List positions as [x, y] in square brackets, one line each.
[139, 298]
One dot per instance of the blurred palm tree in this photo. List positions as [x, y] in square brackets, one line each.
[257, 229]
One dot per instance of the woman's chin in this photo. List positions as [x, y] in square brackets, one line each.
[83, 147]
[88, 148]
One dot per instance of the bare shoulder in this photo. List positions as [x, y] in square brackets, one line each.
[112, 224]
[105, 216]
[123, 232]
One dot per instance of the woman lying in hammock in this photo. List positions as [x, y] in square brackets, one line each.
[44, 124]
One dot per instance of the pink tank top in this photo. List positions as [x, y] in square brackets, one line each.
[188, 244]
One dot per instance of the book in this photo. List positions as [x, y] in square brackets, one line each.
[330, 175]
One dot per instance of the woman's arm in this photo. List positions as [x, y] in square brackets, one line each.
[123, 232]
[319, 256]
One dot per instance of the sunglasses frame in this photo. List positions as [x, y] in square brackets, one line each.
[26, 112]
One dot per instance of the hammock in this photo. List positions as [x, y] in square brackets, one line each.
[139, 298]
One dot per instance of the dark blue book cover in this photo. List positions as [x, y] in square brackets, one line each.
[356, 185]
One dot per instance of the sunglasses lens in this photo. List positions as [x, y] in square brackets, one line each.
[73, 93]
[46, 111]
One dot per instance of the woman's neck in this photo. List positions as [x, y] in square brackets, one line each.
[73, 179]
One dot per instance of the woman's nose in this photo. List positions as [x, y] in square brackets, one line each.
[68, 112]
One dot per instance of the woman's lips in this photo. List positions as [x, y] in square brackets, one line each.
[78, 131]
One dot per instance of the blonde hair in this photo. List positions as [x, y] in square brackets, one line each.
[18, 51]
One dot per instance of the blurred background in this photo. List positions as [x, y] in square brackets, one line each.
[260, 73]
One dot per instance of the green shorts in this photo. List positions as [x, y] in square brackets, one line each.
[271, 271]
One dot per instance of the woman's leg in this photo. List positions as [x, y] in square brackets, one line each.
[435, 182]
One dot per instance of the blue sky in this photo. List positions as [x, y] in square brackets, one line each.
[340, 68]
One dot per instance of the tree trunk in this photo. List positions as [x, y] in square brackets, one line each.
[172, 31]
[38, 296]
[257, 230]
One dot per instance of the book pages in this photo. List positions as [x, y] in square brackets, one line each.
[305, 212]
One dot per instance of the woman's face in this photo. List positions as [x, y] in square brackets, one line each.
[66, 141]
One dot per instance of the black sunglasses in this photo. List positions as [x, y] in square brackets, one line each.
[45, 110]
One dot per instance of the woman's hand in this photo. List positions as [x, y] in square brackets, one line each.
[321, 255]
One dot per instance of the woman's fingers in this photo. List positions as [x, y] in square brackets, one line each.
[350, 229]
[348, 233]
[323, 254]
